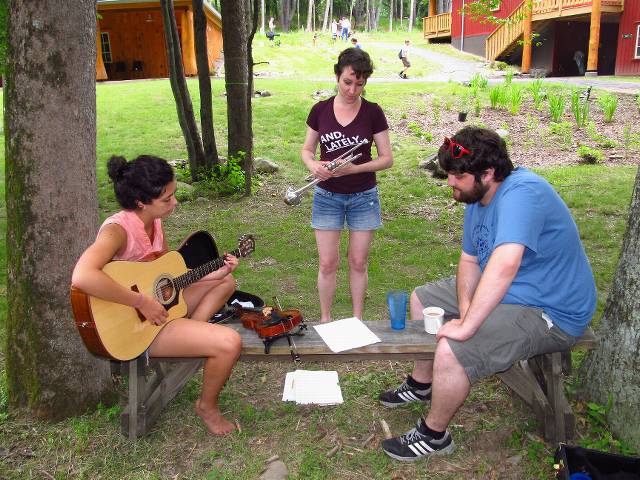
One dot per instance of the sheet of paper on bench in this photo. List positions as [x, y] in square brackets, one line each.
[346, 334]
[308, 386]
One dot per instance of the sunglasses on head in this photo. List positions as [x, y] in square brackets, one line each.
[456, 149]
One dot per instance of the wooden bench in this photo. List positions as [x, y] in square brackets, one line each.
[538, 381]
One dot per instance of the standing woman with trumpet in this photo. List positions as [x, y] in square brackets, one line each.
[347, 194]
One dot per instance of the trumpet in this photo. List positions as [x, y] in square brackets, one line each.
[294, 197]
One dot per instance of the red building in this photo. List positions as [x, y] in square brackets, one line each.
[130, 40]
[564, 42]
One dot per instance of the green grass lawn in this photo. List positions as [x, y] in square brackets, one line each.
[419, 242]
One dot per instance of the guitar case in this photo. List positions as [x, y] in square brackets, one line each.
[199, 248]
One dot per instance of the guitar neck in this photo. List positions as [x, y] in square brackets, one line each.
[186, 279]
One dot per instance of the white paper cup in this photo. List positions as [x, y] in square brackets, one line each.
[433, 319]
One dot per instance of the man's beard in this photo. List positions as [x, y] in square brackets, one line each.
[475, 195]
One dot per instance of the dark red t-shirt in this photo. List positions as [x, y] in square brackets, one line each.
[336, 139]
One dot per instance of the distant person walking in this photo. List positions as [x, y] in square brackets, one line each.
[404, 57]
[272, 24]
[334, 29]
[346, 26]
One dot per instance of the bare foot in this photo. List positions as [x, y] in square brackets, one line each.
[213, 419]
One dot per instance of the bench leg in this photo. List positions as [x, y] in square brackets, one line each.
[538, 382]
[150, 391]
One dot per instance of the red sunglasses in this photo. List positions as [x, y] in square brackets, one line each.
[456, 149]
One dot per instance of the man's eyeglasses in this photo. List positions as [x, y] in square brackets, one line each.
[456, 149]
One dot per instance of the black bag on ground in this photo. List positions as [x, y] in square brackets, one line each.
[239, 300]
[595, 465]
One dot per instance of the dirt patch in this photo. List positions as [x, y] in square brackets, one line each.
[534, 141]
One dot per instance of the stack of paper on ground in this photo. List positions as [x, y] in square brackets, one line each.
[307, 386]
[346, 334]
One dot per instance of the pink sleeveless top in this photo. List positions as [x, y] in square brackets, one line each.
[139, 247]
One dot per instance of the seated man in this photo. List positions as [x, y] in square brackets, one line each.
[523, 286]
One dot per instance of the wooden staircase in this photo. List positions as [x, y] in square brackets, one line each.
[504, 39]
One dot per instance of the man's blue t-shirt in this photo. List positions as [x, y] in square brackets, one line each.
[555, 274]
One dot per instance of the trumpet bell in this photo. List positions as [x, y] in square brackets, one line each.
[292, 197]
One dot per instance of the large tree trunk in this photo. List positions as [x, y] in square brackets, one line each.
[309, 15]
[52, 208]
[412, 13]
[186, 118]
[325, 20]
[612, 370]
[286, 14]
[235, 38]
[248, 161]
[262, 17]
[391, 15]
[206, 102]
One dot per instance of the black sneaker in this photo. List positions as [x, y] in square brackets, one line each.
[403, 395]
[415, 445]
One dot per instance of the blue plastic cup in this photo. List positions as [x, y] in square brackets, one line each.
[397, 302]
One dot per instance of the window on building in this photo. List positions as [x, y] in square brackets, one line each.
[638, 42]
[105, 42]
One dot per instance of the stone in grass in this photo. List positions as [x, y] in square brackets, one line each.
[264, 165]
[275, 470]
[502, 132]
[431, 164]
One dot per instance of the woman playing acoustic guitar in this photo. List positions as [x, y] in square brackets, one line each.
[145, 189]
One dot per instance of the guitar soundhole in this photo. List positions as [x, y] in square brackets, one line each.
[165, 290]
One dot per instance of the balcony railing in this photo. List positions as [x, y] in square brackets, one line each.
[437, 26]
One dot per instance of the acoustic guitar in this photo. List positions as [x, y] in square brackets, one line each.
[120, 332]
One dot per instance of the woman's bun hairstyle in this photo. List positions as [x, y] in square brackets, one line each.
[116, 167]
[143, 179]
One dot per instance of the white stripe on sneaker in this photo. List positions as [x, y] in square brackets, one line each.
[408, 396]
[415, 450]
[426, 446]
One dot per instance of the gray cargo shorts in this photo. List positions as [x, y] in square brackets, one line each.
[510, 333]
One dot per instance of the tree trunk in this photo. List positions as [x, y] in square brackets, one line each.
[262, 16]
[52, 207]
[235, 38]
[391, 15]
[612, 370]
[412, 12]
[325, 21]
[309, 15]
[186, 118]
[206, 101]
[248, 160]
[286, 14]
[401, 12]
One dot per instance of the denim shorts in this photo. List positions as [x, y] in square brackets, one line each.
[360, 210]
[510, 333]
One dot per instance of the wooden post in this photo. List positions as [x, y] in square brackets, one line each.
[432, 8]
[101, 72]
[594, 39]
[188, 43]
[527, 23]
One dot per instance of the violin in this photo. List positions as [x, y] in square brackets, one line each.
[271, 322]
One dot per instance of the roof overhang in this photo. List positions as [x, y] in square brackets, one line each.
[119, 4]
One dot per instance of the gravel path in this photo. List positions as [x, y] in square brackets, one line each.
[461, 70]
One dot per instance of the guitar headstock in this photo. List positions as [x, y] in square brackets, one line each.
[246, 245]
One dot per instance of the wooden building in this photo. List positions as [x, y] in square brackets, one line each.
[570, 37]
[131, 44]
